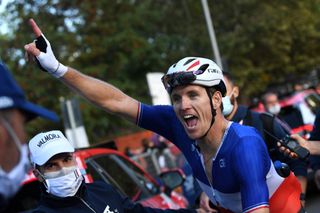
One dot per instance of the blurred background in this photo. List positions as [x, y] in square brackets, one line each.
[263, 44]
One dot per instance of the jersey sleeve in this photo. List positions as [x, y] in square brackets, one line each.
[251, 165]
[159, 118]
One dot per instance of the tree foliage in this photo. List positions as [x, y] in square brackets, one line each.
[120, 41]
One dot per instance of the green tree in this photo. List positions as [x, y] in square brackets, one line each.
[120, 41]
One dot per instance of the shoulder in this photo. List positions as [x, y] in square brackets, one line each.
[99, 185]
[245, 137]
[155, 110]
[156, 107]
[243, 131]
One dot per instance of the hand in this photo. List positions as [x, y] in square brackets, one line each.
[300, 140]
[317, 178]
[200, 211]
[41, 50]
[204, 204]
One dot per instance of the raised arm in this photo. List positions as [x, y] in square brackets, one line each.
[96, 91]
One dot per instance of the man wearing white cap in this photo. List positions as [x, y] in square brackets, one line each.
[55, 166]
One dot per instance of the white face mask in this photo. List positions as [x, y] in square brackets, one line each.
[227, 105]
[275, 109]
[10, 182]
[63, 183]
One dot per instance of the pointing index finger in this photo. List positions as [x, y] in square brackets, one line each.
[36, 30]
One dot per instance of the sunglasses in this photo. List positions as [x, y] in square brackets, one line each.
[173, 80]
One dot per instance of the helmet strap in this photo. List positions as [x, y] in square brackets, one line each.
[213, 112]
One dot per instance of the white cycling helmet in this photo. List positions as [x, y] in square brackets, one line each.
[194, 70]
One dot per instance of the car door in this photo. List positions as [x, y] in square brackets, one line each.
[127, 178]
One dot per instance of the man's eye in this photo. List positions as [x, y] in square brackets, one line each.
[175, 99]
[193, 95]
[49, 166]
[67, 159]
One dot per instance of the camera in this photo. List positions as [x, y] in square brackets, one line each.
[295, 147]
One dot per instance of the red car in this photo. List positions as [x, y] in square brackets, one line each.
[118, 170]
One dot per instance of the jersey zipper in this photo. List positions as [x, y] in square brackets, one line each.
[85, 203]
[204, 167]
[212, 189]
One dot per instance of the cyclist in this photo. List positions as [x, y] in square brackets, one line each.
[230, 161]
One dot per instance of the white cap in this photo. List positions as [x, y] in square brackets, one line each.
[45, 145]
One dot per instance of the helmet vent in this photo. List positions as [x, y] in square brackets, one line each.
[190, 60]
[203, 67]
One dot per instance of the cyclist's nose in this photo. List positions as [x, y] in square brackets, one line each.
[185, 103]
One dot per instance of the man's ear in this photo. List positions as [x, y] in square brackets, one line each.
[235, 91]
[36, 173]
[216, 99]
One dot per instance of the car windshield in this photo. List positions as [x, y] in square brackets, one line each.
[123, 175]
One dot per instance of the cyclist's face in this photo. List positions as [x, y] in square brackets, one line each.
[192, 107]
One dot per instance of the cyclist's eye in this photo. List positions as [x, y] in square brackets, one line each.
[193, 94]
[175, 98]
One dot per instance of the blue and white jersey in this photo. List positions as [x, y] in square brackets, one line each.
[243, 177]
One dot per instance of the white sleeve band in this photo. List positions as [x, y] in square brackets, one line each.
[60, 71]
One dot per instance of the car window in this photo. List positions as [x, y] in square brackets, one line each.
[123, 175]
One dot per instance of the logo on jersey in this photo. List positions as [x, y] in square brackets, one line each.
[107, 210]
[222, 163]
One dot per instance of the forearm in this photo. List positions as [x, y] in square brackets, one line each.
[263, 210]
[101, 94]
[314, 147]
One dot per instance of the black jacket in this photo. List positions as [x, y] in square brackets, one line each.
[277, 130]
[96, 197]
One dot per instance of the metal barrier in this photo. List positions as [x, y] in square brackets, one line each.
[155, 160]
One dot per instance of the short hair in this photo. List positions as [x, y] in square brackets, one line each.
[267, 94]
[229, 76]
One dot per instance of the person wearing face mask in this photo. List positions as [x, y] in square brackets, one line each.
[15, 112]
[292, 117]
[64, 189]
[271, 103]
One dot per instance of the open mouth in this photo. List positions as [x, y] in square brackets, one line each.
[190, 120]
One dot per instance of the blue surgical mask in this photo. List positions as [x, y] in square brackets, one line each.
[227, 105]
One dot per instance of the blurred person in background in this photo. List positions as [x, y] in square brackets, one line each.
[15, 112]
[262, 122]
[291, 118]
[313, 145]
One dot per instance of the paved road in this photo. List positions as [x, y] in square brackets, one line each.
[313, 203]
[313, 198]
